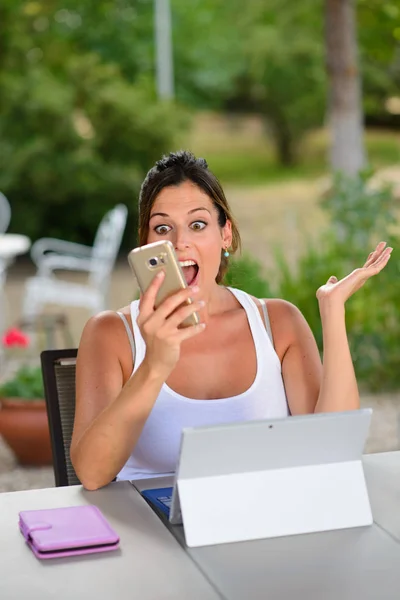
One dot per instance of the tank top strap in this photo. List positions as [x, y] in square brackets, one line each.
[261, 336]
[139, 341]
[266, 319]
[250, 307]
[129, 334]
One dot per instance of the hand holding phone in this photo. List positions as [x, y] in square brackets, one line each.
[167, 314]
[146, 261]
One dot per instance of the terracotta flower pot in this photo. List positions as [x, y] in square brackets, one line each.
[24, 427]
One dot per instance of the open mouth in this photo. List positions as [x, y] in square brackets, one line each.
[190, 271]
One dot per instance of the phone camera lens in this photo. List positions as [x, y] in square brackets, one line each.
[153, 262]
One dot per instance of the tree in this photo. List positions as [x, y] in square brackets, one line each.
[344, 88]
[76, 136]
[378, 41]
[281, 72]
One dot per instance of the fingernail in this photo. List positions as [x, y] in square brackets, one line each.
[195, 289]
[160, 274]
[202, 303]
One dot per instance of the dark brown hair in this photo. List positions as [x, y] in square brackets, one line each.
[175, 169]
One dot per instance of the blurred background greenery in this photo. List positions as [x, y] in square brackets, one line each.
[81, 122]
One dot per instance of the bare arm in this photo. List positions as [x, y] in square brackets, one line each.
[299, 356]
[309, 386]
[109, 417]
[339, 389]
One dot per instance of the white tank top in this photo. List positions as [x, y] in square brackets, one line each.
[157, 450]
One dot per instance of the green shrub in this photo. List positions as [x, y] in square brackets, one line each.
[360, 217]
[299, 286]
[75, 140]
[26, 383]
[246, 274]
[359, 213]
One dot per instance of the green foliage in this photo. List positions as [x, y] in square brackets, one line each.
[208, 54]
[80, 123]
[358, 212]
[245, 273]
[378, 38]
[299, 286]
[27, 384]
[282, 74]
[360, 217]
[76, 136]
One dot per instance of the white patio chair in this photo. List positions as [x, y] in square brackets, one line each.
[51, 254]
[5, 213]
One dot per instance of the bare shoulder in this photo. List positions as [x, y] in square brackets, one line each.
[281, 311]
[288, 324]
[104, 364]
[104, 326]
[105, 334]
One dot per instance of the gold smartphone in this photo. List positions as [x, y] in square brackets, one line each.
[146, 261]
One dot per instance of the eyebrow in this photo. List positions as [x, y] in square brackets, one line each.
[160, 214]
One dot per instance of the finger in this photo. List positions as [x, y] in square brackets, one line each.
[375, 253]
[387, 252]
[375, 267]
[148, 299]
[169, 305]
[183, 313]
[189, 332]
[380, 247]
[380, 262]
[369, 259]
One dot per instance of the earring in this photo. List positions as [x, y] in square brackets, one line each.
[226, 253]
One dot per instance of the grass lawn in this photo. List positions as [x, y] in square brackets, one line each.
[239, 151]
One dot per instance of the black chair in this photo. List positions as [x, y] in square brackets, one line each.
[58, 368]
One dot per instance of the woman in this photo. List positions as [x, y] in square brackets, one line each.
[141, 378]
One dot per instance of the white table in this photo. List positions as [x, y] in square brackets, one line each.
[352, 564]
[150, 564]
[382, 473]
[11, 246]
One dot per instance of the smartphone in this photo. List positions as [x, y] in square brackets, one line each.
[146, 261]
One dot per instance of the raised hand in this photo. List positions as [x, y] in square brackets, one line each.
[338, 291]
[160, 327]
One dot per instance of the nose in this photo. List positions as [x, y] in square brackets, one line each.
[181, 241]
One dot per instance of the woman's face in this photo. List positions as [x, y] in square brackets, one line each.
[187, 217]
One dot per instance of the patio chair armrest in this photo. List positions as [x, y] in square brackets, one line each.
[51, 262]
[44, 245]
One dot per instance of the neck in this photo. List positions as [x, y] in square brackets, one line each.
[217, 300]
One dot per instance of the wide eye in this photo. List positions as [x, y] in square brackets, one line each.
[198, 225]
[162, 229]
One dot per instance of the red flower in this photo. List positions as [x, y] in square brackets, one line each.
[15, 337]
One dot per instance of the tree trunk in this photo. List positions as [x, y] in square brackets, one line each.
[345, 108]
[284, 147]
[279, 130]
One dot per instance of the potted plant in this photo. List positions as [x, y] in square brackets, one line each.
[23, 416]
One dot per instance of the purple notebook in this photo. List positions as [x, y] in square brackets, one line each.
[67, 531]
